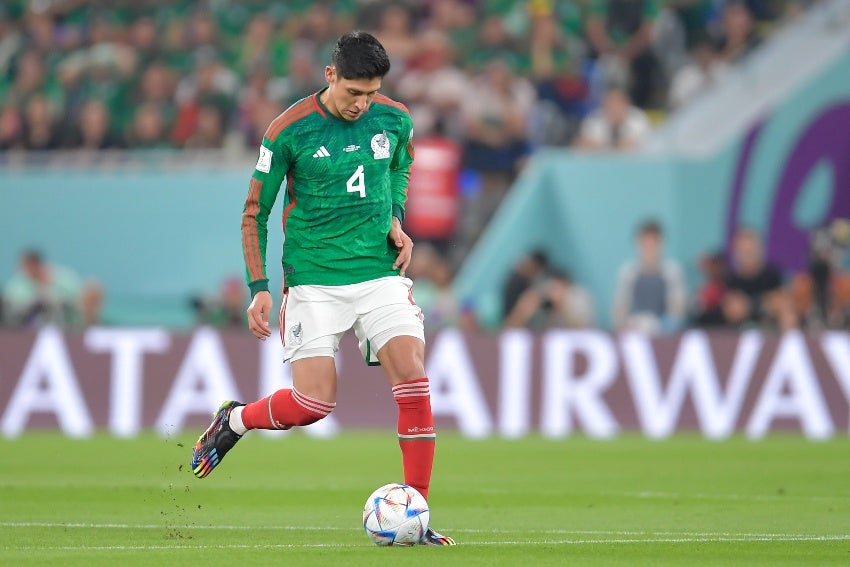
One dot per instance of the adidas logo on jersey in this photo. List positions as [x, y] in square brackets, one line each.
[322, 152]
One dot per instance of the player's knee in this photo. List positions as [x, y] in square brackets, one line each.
[403, 358]
[312, 409]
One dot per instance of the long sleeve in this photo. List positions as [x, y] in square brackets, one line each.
[400, 168]
[272, 167]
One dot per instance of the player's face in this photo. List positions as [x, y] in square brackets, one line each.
[350, 98]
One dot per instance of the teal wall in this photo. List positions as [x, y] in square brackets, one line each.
[152, 236]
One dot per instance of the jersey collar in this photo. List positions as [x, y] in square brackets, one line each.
[325, 110]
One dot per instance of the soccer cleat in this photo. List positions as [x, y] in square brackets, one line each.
[215, 442]
[433, 538]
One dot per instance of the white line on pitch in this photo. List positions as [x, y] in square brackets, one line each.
[681, 534]
[164, 525]
[609, 541]
[741, 497]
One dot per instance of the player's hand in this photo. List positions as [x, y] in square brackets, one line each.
[258, 315]
[404, 245]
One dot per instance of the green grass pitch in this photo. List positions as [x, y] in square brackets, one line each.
[297, 501]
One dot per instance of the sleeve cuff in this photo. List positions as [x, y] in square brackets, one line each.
[258, 286]
[398, 211]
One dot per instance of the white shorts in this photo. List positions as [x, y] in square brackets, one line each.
[313, 318]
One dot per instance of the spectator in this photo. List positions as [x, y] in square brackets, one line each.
[211, 84]
[227, 309]
[176, 47]
[11, 127]
[434, 88]
[620, 33]
[432, 277]
[754, 294]
[258, 116]
[693, 17]
[531, 269]
[203, 32]
[708, 310]
[209, 130]
[395, 32]
[40, 293]
[40, 130]
[821, 294]
[261, 46]
[738, 36]
[157, 87]
[11, 40]
[91, 304]
[556, 56]
[616, 125]
[319, 29]
[143, 38]
[147, 130]
[40, 31]
[70, 52]
[29, 77]
[93, 130]
[456, 19]
[555, 302]
[303, 78]
[650, 291]
[495, 115]
[704, 70]
[101, 69]
[493, 43]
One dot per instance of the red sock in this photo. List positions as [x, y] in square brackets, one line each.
[285, 409]
[416, 435]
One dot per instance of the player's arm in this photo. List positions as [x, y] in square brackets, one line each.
[402, 159]
[400, 164]
[272, 166]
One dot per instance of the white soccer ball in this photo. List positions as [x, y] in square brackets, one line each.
[396, 514]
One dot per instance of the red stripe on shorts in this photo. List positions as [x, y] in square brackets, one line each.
[281, 319]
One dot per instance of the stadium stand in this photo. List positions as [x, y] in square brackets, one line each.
[196, 83]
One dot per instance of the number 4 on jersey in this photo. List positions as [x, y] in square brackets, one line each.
[357, 182]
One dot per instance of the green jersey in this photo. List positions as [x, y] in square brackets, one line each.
[345, 180]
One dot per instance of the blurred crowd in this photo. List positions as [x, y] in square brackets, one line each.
[500, 76]
[496, 78]
[739, 289]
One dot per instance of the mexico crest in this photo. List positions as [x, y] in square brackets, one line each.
[381, 145]
[296, 335]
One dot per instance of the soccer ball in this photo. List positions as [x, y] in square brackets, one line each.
[396, 514]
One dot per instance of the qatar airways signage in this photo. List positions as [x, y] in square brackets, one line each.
[557, 383]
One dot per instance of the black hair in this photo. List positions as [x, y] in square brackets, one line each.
[539, 257]
[561, 275]
[650, 227]
[32, 255]
[358, 55]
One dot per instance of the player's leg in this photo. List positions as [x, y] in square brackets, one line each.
[215, 442]
[390, 329]
[311, 398]
[311, 327]
[403, 359]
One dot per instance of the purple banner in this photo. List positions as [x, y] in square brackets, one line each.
[557, 383]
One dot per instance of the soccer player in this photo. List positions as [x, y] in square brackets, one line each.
[345, 153]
